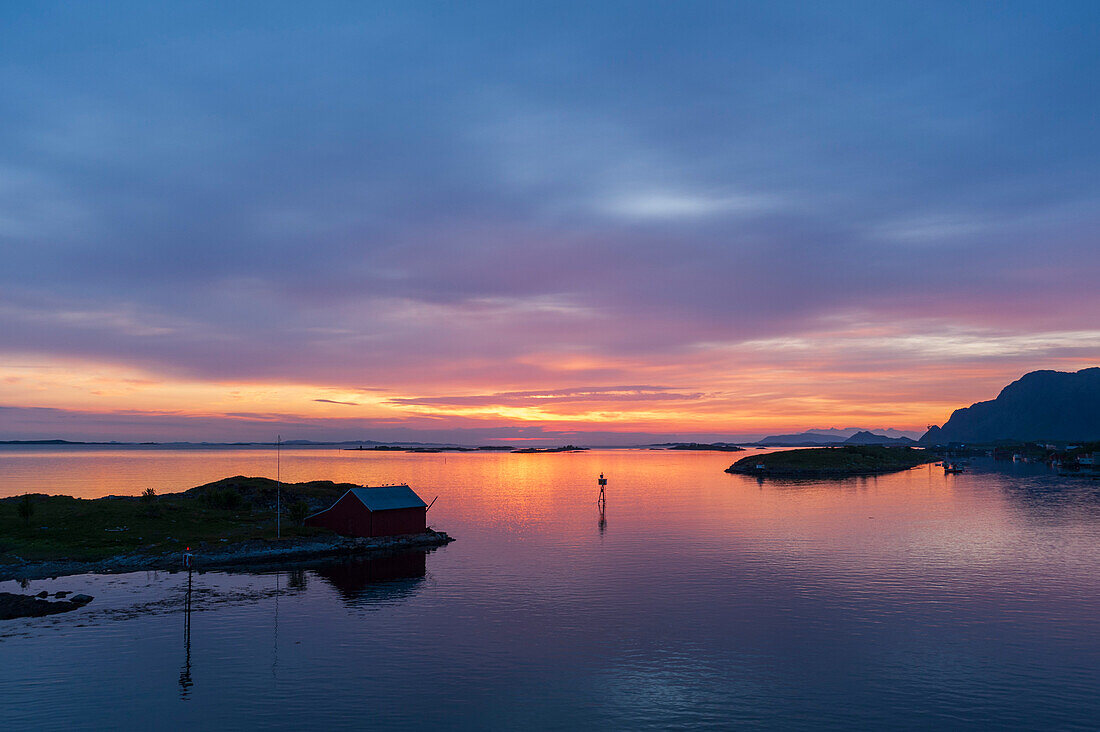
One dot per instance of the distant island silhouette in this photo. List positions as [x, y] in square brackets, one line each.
[815, 439]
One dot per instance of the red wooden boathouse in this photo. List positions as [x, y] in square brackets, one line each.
[386, 510]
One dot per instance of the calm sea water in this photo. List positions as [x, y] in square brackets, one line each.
[706, 600]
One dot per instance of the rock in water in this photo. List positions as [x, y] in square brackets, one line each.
[81, 599]
[25, 606]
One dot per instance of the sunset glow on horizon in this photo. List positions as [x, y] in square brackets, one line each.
[606, 225]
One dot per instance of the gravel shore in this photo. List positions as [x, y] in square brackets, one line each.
[215, 556]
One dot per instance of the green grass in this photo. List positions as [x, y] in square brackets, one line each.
[235, 509]
[849, 460]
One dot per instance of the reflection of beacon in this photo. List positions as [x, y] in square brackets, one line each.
[601, 502]
[186, 682]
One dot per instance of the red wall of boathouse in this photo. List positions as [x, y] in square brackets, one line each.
[348, 516]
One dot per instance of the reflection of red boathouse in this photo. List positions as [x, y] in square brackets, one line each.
[362, 581]
[382, 511]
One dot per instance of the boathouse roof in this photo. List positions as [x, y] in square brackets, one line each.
[388, 497]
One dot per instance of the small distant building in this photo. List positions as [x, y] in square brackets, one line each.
[388, 510]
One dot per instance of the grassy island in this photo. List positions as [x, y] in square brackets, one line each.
[225, 522]
[533, 450]
[707, 447]
[833, 462]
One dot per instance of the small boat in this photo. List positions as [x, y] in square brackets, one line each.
[952, 468]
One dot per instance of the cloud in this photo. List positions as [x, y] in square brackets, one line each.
[916, 341]
[139, 426]
[659, 205]
[333, 401]
[605, 394]
[930, 229]
[686, 201]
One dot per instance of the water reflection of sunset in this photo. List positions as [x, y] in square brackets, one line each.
[667, 495]
[694, 573]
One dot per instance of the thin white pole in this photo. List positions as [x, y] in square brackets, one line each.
[279, 488]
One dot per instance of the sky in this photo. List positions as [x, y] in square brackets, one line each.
[592, 222]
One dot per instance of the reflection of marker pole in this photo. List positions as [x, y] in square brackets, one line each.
[275, 641]
[185, 675]
[602, 501]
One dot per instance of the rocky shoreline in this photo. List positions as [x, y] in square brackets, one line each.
[221, 556]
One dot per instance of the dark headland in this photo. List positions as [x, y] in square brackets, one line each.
[1052, 406]
[832, 462]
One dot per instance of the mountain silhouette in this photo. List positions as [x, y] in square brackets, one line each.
[1041, 405]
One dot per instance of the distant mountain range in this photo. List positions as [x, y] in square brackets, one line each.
[844, 433]
[1055, 406]
[837, 437]
[869, 438]
[800, 439]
